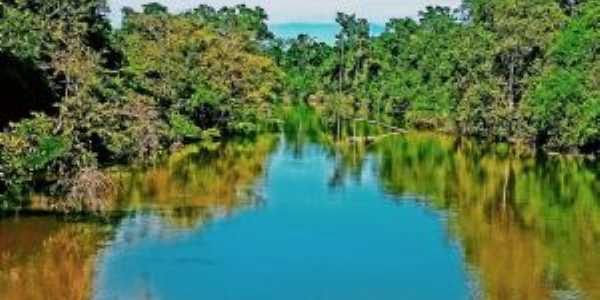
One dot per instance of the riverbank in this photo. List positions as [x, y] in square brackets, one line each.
[299, 120]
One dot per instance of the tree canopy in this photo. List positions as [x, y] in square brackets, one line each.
[507, 70]
[88, 96]
[80, 95]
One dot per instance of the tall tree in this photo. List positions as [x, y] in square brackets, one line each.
[523, 30]
[564, 102]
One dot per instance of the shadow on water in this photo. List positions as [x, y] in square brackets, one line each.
[528, 227]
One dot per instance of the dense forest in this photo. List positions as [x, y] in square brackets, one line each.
[80, 96]
[518, 71]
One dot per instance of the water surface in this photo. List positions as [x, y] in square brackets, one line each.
[294, 216]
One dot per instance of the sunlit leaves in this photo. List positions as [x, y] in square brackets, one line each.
[195, 70]
[564, 101]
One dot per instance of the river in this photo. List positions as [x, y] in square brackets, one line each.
[295, 216]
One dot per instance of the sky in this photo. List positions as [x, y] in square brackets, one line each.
[302, 11]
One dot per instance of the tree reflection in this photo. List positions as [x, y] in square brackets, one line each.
[530, 227]
[50, 257]
[529, 224]
[45, 258]
[198, 183]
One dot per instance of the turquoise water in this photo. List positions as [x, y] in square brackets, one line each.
[322, 31]
[305, 240]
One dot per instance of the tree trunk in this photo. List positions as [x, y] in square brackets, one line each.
[511, 81]
[505, 187]
[67, 87]
[339, 137]
[342, 66]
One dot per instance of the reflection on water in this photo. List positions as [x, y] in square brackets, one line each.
[48, 258]
[418, 215]
[198, 182]
[530, 228]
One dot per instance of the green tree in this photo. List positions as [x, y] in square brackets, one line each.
[523, 31]
[564, 102]
[201, 77]
[155, 8]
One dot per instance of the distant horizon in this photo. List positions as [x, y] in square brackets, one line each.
[289, 18]
[318, 23]
[300, 11]
[324, 32]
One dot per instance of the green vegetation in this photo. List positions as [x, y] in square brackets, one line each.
[520, 71]
[122, 96]
[81, 95]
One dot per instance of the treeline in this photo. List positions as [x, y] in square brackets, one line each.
[81, 95]
[505, 70]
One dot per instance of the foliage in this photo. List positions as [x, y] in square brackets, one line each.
[302, 58]
[564, 104]
[239, 18]
[122, 96]
[201, 77]
[507, 70]
[27, 150]
[82, 95]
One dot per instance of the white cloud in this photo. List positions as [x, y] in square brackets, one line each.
[290, 11]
